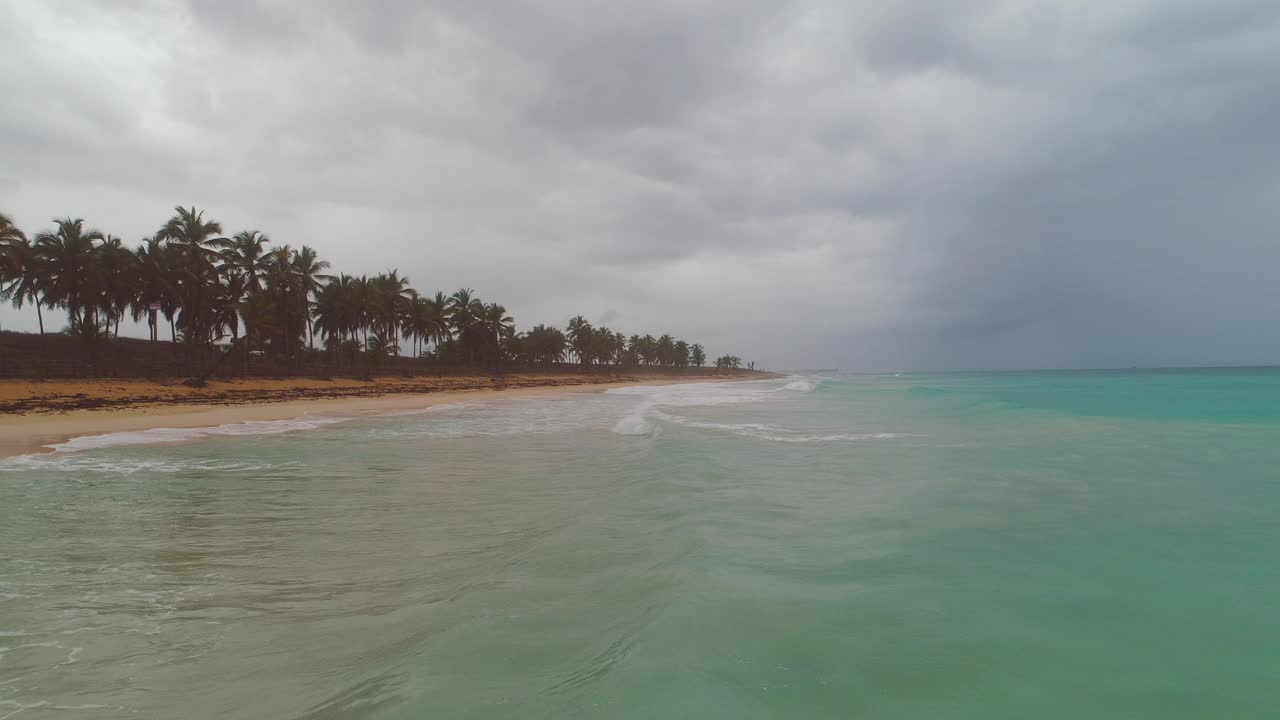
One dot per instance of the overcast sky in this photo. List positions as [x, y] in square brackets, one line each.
[887, 185]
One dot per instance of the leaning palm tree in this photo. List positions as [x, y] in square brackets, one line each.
[10, 238]
[20, 272]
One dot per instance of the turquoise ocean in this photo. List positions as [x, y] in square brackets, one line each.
[1015, 545]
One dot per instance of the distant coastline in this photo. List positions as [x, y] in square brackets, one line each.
[239, 305]
[35, 414]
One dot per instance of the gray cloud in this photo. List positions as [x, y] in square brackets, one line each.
[802, 183]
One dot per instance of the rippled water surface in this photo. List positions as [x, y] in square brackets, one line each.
[1049, 545]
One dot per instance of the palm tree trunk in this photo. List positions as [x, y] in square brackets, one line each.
[39, 316]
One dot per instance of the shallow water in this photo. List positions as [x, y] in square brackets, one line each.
[964, 546]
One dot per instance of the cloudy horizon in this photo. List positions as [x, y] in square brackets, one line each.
[804, 184]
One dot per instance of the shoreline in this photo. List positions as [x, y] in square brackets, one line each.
[78, 409]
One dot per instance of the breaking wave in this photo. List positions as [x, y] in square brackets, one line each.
[659, 401]
[173, 435]
[635, 424]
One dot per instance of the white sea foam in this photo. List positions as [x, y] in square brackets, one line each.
[170, 435]
[449, 407]
[179, 435]
[75, 463]
[634, 424]
[480, 418]
[694, 394]
[760, 431]
[659, 400]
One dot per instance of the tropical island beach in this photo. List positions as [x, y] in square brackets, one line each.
[36, 414]
[262, 331]
[720, 360]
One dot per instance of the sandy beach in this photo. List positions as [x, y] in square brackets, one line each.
[34, 414]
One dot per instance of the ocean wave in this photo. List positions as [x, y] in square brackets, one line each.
[696, 394]
[760, 431]
[638, 420]
[635, 424]
[172, 435]
[76, 464]
[433, 409]
[244, 428]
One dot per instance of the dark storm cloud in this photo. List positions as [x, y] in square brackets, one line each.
[886, 185]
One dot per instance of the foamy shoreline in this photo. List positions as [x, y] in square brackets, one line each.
[35, 433]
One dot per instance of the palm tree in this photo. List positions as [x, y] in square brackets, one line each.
[196, 243]
[20, 271]
[308, 268]
[465, 311]
[666, 350]
[259, 310]
[648, 350]
[155, 284]
[283, 286]
[729, 362]
[228, 306]
[119, 281]
[619, 348]
[681, 354]
[602, 345]
[697, 355]
[388, 300]
[425, 320]
[8, 231]
[69, 272]
[580, 339]
[246, 253]
[245, 261]
[497, 326]
[545, 344]
[211, 284]
[633, 350]
[339, 309]
[438, 312]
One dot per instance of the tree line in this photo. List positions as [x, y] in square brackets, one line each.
[278, 300]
